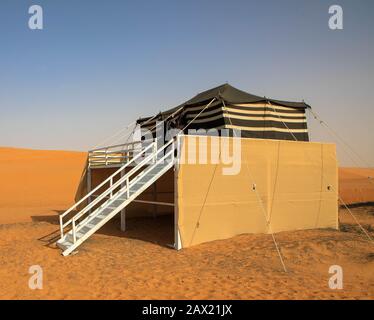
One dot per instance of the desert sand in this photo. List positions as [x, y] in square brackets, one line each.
[356, 185]
[137, 264]
[37, 182]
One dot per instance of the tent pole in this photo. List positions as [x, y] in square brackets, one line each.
[123, 220]
[154, 189]
[123, 211]
[89, 184]
[177, 237]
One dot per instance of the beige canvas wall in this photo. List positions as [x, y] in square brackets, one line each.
[291, 185]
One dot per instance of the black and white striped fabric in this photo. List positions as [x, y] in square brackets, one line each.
[266, 119]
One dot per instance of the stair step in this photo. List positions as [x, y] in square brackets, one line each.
[78, 235]
[118, 201]
[87, 226]
[112, 208]
[64, 244]
[100, 217]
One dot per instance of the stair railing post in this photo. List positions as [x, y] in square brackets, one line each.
[178, 147]
[155, 151]
[74, 235]
[89, 185]
[61, 228]
[173, 151]
[127, 188]
[111, 191]
[126, 155]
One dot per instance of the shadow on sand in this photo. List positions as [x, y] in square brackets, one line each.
[158, 230]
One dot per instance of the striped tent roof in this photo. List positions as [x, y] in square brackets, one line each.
[255, 116]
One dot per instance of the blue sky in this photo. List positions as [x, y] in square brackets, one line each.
[98, 65]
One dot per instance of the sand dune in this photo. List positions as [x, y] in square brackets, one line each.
[37, 182]
[137, 264]
[356, 185]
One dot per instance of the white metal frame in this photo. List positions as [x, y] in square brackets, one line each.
[177, 238]
[101, 196]
[113, 156]
[156, 157]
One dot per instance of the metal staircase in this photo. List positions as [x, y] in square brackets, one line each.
[115, 193]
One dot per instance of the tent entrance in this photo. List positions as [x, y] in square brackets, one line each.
[150, 217]
[157, 230]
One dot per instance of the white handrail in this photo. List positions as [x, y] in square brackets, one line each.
[114, 155]
[102, 184]
[109, 191]
[129, 183]
[115, 146]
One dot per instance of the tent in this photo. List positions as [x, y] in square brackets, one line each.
[279, 185]
[231, 108]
